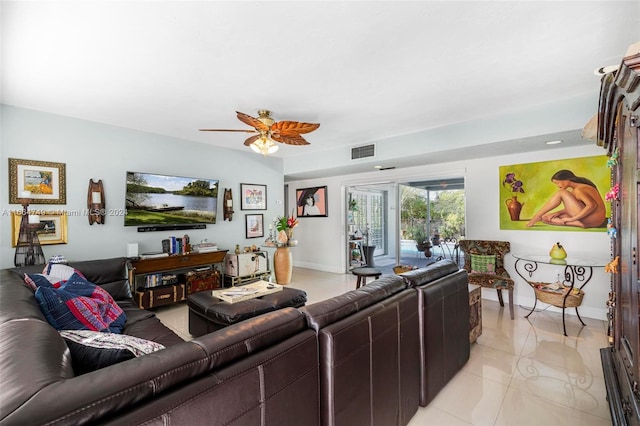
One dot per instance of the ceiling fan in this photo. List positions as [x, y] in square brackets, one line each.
[268, 131]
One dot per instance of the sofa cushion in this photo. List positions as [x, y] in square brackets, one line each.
[80, 305]
[92, 350]
[110, 274]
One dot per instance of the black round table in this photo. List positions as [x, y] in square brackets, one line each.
[363, 273]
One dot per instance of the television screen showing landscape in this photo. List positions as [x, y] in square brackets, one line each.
[169, 200]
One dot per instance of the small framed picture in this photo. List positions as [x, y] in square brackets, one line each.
[52, 230]
[253, 197]
[254, 225]
[43, 182]
[312, 202]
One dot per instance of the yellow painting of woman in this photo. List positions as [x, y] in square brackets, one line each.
[560, 195]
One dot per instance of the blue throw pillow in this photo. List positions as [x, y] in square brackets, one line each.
[80, 305]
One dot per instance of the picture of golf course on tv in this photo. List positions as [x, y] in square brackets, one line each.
[153, 199]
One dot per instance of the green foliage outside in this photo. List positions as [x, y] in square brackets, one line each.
[446, 211]
[198, 188]
[145, 217]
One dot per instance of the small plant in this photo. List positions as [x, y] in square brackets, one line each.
[420, 235]
[515, 184]
[283, 222]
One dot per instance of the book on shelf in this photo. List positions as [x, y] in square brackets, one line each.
[205, 249]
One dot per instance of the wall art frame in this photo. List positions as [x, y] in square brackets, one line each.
[44, 180]
[525, 189]
[312, 202]
[254, 225]
[53, 227]
[253, 196]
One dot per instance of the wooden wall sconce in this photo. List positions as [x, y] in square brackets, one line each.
[228, 205]
[96, 203]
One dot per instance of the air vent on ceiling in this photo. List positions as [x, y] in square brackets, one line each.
[363, 151]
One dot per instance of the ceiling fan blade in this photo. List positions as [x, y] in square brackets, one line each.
[227, 130]
[291, 128]
[250, 121]
[590, 129]
[251, 140]
[289, 140]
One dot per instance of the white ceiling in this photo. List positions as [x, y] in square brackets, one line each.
[365, 71]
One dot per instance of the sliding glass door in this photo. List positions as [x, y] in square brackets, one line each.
[431, 220]
[369, 217]
[396, 217]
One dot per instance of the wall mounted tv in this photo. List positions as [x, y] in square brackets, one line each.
[157, 202]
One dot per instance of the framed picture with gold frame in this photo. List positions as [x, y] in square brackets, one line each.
[53, 227]
[43, 182]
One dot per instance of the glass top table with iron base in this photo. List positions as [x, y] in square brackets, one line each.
[577, 274]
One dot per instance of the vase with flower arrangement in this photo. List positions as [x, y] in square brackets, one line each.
[514, 207]
[282, 258]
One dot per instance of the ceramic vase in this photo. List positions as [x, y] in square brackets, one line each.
[283, 265]
[514, 207]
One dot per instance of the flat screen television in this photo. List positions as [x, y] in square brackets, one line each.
[165, 200]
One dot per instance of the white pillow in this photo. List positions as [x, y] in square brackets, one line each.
[60, 270]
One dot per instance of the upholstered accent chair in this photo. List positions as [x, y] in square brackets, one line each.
[485, 270]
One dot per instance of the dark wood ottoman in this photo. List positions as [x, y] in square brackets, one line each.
[208, 313]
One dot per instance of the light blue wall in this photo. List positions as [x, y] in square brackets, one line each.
[97, 151]
[93, 150]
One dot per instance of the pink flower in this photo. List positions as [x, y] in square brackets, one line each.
[613, 193]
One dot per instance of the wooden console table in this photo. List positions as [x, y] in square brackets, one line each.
[151, 297]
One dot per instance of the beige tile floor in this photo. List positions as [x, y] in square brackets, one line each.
[521, 372]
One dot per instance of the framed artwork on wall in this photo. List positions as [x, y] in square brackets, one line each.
[253, 197]
[312, 202]
[549, 195]
[254, 225]
[43, 182]
[53, 227]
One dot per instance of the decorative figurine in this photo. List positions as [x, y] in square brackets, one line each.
[611, 230]
[227, 207]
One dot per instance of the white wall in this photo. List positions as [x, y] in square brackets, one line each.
[322, 240]
[92, 150]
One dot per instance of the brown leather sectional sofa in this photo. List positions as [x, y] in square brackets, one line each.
[369, 356]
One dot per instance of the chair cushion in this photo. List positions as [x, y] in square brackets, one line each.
[483, 263]
[91, 350]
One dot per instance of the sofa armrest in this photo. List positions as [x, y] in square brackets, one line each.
[334, 309]
[418, 277]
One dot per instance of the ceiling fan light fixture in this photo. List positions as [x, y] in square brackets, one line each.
[264, 146]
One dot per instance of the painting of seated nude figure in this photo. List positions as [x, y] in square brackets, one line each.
[561, 195]
[581, 203]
